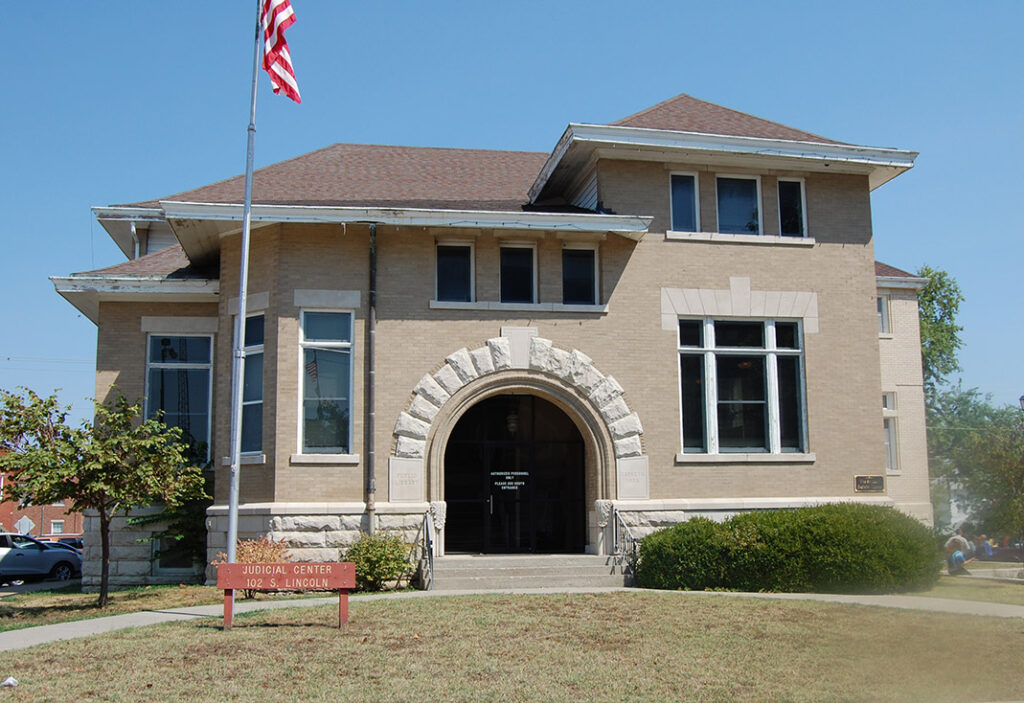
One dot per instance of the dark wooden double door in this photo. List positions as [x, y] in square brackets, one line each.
[514, 479]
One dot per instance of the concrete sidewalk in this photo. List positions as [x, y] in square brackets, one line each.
[32, 636]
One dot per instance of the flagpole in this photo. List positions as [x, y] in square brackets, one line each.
[238, 366]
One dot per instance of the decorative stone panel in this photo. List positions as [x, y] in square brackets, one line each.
[738, 301]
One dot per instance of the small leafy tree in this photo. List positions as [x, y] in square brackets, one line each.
[114, 464]
[939, 304]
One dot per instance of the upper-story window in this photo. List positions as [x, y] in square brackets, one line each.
[892, 457]
[685, 203]
[454, 273]
[178, 378]
[792, 208]
[518, 273]
[252, 387]
[739, 199]
[326, 342]
[579, 275]
[741, 386]
[883, 315]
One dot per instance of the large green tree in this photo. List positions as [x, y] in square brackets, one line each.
[112, 465]
[939, 305]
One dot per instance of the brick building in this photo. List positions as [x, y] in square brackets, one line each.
[676, 314]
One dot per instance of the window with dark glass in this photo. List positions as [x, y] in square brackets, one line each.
[741, 386]
[455, 273]
[738, 209]
[791, 208]
[252, 387]
[517, 275]
[178, 374]
[326, 382]
[579, 276]
[684, 203]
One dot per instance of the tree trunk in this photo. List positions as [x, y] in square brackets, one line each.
[104, 557]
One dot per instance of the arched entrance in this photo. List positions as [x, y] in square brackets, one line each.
[514, 479]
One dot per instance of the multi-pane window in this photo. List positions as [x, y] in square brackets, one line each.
[455, 273]
[685, 209]
[892, 462]
[56, 527]
[252, 388]
[739, 209]
[518, 274]
[178, 375]
[326, 342]
[792, 218]
[579, 276]
[741, 386]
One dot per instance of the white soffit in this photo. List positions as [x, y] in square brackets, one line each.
[911, 282]
[86, 292]
[579, 141]
[118, 223]
[199, 226]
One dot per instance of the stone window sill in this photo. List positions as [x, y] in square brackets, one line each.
[246, 459]
[343, 459]
[519, 307]
[723, 238]
[794, 458]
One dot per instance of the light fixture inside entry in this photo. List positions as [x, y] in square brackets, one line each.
[512, 419]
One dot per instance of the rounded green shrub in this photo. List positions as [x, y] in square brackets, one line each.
[840, 548]
[379, 559]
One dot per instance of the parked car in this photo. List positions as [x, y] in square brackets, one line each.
[75, 542]
[61, 545]
[22, 557]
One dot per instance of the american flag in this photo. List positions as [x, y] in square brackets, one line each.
[275, 17]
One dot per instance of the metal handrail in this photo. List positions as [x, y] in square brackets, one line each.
[423, 543]
[625, 544]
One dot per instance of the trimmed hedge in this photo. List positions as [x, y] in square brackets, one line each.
[841, 548]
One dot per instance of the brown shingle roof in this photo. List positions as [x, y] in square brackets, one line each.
[887, 270]
[385, 176]
[685, 113]
[166, 263]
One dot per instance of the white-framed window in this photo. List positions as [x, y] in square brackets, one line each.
[792, 207]
[685, 202]
[883, 315]
[56, 527]
[741, 386]
[580, 279]
[326, 412]
[454, 272]
[739, 204]
[889, 415]
[179, 377]
[518, 272]
[252, 387]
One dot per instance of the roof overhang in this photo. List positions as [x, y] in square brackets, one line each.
[906, 282]
[200, 226]
[119, 221]
[86, 292]
[581, 142]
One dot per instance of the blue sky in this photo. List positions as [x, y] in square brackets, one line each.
[145, 99]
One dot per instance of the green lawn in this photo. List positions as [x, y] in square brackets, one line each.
[649, 646]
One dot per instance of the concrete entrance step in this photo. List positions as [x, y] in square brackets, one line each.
[466, 572]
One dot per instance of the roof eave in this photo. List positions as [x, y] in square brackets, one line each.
[117, 221]
[86, 291]
[882, 163]
[906, 282]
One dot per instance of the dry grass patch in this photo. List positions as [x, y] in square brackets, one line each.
[615, 646]
[989, 591]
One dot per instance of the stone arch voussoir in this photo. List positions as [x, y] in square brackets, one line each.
[571, 367]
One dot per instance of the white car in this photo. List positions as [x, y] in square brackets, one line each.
[28, 559]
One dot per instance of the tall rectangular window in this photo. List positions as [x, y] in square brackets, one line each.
[178, 383]
[883, 314]
[685, 208]
[792, 218]
[518, 275]
[739, 210]
[252, 387]
[741, 386]
[579, 276]
[892, 462]
[455, 273]
[326, 342]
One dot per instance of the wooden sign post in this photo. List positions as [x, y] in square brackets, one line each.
[302, 576]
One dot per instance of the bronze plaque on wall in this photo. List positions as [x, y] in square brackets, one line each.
[869, 484]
